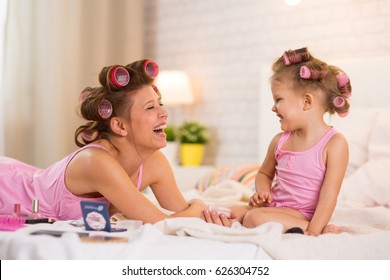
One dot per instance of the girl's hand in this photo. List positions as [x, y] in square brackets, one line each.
[259, 198]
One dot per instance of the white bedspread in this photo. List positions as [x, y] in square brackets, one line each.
[365, 231]
[366, 235]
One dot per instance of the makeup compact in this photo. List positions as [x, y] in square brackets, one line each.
[96, 217]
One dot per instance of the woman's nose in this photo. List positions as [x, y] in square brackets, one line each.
[163, 113]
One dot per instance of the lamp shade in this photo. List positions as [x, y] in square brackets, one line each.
[175, 88]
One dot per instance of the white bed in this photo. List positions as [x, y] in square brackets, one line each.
[362, 212]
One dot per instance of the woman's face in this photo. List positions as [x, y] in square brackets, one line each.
[147, 120]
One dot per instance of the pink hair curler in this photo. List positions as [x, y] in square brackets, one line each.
[305, 72]
[155, 88]
[343, 84]
[342, 79]
[339, 102]
[286, 60]
[89, 135]
[105, 109]
[119, 76]
[151, 68]
[342, 114]
[295, 56]
[84, 94]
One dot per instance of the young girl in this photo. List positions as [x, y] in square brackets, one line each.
[309, 158]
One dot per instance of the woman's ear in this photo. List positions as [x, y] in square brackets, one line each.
[308, 100]
[117, 126]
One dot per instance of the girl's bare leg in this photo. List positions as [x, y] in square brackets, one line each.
[240, 211]
[286, 216]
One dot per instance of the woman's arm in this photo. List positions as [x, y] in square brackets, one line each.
[97, 172]
[336, 160]
[159, 176]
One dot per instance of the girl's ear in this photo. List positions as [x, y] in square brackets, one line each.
[117, 126]
[308, 101]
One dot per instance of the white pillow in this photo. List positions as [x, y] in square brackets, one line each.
[370, 183]
[357, 128]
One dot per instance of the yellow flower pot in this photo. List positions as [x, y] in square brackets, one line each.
[191, 154]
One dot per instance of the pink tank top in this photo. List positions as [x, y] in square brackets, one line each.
[21, 183]
[299, 175]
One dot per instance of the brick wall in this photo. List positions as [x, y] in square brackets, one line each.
[223, 44]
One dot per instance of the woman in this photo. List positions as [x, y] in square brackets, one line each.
[118, 157]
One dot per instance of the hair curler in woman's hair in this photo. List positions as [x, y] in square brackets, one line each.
[296, 56]
[105, 109]
[155, 88]
[151, 68]
[310, 73]
[119, 76]
[89, 135]
[84, 94]
[344, 85]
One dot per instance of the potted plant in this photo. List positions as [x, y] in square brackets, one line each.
[172, 147]
[192, 137]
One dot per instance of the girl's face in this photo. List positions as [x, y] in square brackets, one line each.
[288, 105]
[148, 120]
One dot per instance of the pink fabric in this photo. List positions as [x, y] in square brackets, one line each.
[21, 183]
[299, 175]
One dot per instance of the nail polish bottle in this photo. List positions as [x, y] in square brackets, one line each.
[16, 212]
[35, 209]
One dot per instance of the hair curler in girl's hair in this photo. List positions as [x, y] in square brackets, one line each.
[151, 68]
[344, 85]
[119, 76]
[296, 56]
[339, 102]
[307, 72]
[105, 109]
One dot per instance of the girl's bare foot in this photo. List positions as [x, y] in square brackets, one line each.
[330, 229]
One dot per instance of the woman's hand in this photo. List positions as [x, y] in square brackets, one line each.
[259, 198]
[198, 206]
[219, 219]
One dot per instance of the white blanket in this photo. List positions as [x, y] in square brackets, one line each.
[365, 231]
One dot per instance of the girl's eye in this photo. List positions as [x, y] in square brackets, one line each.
[150, 108]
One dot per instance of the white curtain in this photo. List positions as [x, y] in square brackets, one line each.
[3, 20]
[52, 50]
